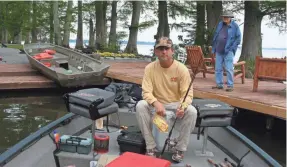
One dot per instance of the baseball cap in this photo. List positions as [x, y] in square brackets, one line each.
[163, 41]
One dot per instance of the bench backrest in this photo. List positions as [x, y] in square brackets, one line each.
[270, 68]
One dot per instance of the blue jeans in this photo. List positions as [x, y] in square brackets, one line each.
[226, 61]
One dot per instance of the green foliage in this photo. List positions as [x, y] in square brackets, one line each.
[181, 9]
[250, 68]
[276, 12]
[115, 48]
[179, 51]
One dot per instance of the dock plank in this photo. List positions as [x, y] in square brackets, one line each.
[270, 98]
[25, 82]
[17, 70]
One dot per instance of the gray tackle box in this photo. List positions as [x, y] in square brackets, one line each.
[75, 144]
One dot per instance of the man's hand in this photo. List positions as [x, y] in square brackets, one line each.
[179, 113]
[159, 108]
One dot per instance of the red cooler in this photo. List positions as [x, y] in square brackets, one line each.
[129, 159]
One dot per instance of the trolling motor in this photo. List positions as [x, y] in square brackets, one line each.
[169, 142]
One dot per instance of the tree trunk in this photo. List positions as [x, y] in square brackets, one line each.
[34, 22]
[4, 31]
[27, 37]
[105, 6]
[51, 19]
[133, 35]
[79, 42]
[251, 45]
[67, 24]
[163, 27]
[17, 38]
[200, 24]
[56, 23]
[113, 28]
[91, 33]
[213, 10]
[100, 25]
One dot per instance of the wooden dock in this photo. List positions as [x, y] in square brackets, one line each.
[270, 98]
[22, 76]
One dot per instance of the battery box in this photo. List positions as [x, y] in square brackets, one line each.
[131, 140]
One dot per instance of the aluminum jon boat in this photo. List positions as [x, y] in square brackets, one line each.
[217, 141]
[64, 66]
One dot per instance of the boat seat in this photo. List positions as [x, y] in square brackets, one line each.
[211, 113]
[93, 103]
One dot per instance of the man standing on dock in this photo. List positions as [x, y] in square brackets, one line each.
[164, 85]
[226, 39]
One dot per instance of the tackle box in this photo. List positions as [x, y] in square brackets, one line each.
[131, 140]
[75, 144]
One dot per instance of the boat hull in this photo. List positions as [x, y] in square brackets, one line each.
[221, 139]
[83, 70]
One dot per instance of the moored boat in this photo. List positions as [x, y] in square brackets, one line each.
[65, 66]
[217, 140]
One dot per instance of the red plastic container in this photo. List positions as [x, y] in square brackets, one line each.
[101, 143]
[129, 159]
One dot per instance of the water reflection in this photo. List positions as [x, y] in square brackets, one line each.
[19, 119]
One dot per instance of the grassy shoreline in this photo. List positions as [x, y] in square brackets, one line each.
[15, 46]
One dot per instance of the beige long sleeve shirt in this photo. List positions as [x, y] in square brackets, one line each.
[166, 85]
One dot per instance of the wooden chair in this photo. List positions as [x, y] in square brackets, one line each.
[269, 69]
[194, 54]
[196, 61]
[239, 67]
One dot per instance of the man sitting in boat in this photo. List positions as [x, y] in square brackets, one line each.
[164, 85]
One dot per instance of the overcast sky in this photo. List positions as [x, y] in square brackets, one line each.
[271, 36]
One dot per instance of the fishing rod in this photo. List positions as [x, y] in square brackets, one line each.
[192, 79]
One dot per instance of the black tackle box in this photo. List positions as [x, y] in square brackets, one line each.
[131, 140]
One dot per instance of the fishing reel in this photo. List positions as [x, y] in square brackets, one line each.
[171, 143]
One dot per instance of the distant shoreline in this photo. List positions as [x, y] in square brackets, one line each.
[152, 43]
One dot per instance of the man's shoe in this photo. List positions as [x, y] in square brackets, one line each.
[229, 89]
[151, 152]
[217, 87]
[177, 156]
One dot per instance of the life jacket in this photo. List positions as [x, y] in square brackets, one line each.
[49, 51]
[41, 56]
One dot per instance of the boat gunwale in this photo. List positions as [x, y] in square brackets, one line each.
[254, 147]
[23, 144]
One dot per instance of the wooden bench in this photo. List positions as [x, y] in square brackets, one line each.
[269, 69]
[208, 65]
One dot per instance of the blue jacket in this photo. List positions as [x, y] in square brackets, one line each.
[233, 39]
